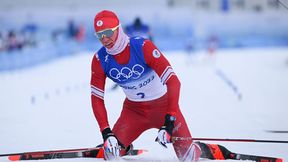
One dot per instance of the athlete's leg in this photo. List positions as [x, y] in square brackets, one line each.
[185, 150]
[131, 123]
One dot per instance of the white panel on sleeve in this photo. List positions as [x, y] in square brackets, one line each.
[168, 72]
[97, 92]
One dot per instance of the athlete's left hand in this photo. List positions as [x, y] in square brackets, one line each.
[165, 132]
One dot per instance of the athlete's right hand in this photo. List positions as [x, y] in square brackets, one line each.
[111, 145]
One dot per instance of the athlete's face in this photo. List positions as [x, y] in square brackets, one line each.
[109, 42]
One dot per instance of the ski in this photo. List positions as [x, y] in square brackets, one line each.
[73, 153]
[218, 152]
[236, 156]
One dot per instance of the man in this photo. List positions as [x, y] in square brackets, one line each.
[151, 87]
[138, 29]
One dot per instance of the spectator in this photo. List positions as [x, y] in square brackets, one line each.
[72, 29]
[80, 35]
[2, 43]
[138, 29]
[212, 44]
[13, 42]
[29, 34]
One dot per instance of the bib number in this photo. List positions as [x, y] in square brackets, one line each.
[142, 95]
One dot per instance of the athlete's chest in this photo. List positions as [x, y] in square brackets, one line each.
[133, 69]
[123, 57]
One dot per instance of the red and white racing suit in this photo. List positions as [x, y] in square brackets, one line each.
[139, 114]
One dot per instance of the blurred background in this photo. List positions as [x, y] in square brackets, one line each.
[230, 55]
[37, 31]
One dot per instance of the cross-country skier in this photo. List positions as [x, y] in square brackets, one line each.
[151, 87]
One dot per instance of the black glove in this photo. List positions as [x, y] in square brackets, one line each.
[107, 133]
[165, 132]
[111, 145]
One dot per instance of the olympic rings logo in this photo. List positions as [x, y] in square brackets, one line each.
[126, 73]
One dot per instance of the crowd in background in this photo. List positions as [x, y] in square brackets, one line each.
[31, 43]
[28, 36]
[73, 31]
[13, 40]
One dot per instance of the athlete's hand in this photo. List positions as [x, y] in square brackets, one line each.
[165, 132]
[111, 145]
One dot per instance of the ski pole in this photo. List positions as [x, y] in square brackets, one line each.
[53, 151]
[225, 140]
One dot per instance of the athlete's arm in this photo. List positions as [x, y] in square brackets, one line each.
[156, 60]
[97, 83]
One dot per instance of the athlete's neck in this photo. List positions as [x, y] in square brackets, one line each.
[120, 44]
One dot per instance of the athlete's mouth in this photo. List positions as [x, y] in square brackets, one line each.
[109, 45]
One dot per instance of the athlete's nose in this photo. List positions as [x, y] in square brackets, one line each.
[104, 39]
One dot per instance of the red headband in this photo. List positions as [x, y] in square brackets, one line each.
[105, 20]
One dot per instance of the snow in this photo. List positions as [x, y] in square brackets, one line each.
[48, 107]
